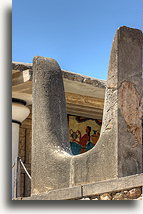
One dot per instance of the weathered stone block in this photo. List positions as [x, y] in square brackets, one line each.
[59, 194]
[113, 185]
[105, 196]
[118, 152]
[50, 146]
[134, 193]
[119, 196]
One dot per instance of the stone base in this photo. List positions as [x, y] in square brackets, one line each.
[125, 188]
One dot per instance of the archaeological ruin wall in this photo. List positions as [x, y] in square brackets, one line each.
[112, 168]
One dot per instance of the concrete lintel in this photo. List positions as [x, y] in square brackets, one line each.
[113, 185]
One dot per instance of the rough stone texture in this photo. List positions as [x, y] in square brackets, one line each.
[126, 188]
[112, 185]
[75, 193]
[50, 147]
[26, 138]
[116, 135]
[84, 79]
[129, 101]
[105, 196]
[134, 193]
[53, 167]
[119, 196]
[60, 169]
[25, 135]
[61, 194]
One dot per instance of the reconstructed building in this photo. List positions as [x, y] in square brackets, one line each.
[86, 139]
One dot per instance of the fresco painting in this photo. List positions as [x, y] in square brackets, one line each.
[83, 133]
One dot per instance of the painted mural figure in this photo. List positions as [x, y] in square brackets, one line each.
[83, 143]
[95, 136]
[84, 133]
[83, 140]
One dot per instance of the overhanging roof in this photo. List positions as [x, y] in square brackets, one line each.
[73, 83]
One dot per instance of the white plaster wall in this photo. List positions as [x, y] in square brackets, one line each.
[15, 142]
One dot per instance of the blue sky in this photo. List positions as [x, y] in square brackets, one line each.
[77, 33]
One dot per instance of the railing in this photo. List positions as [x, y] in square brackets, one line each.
[16, 170]
[22, 164]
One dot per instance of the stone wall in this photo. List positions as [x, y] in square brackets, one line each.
[128, 194]
[25, 184]
[125, 188]
[25, 140]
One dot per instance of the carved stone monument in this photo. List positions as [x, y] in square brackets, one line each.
[118, 152]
